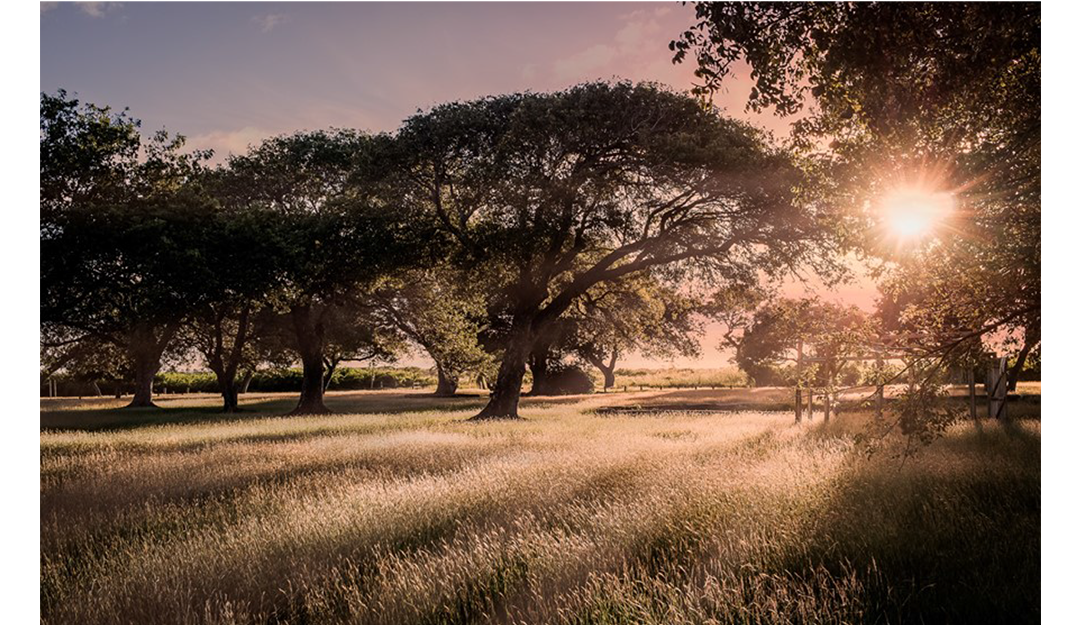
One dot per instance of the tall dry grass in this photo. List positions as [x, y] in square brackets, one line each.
[567, 517]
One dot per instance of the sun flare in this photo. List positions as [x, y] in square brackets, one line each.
[912, 213]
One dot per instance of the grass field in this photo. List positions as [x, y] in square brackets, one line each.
[396, 511]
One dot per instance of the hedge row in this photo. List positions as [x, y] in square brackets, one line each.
[280, 380]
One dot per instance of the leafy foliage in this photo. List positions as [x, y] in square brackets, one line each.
[775, 330]
[335, 239]
[440, 309]
[939, 96]
[123, 223]
[550, 195]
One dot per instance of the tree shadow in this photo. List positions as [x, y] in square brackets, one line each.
[953, 536]
[104, 415]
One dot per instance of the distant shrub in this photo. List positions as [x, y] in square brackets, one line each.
[178, 382]
[270, 381]
[569, 380]
[727, 377]
[351, 379]
[345, 379]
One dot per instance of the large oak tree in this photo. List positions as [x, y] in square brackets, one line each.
[552, 194]
[122, 218]
[337, 234]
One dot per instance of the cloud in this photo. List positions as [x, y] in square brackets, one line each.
[48, 6]
[585, 62]
[637, 32]
[271, 21]
[97, 9]
[225, 142]
[634, 44]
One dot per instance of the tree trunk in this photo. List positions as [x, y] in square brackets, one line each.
[245, 382]
[447, 384]
[309, 340]
[1021, 358]
[226, 379]
[330, 365]
[146, 367]
[145, 349]
[540, 366]
[229, 395]
[506, 392]
[609, 377]
[225, 361]
[606, 369]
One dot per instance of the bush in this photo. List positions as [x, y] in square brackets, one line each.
[680, 378]
[270, 381]
[568, 380]
[366, 378]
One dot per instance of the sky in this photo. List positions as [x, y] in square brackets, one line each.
[229, 74]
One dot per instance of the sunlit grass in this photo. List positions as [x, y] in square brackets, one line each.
[415, 516]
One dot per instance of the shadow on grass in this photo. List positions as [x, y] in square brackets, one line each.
[951, 537]
[72, 416]
[102, 419]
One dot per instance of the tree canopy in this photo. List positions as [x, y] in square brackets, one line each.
[336, 239]
[122, 232]
[553, 194]
[943, 97]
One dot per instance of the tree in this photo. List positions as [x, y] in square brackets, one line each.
[338, 235]
[242, 252]
[441, 310]
[121, 218]
[635, 313]
[87, 359]
[828, 333]
[355, 332]
[554, 194]
[941, 95]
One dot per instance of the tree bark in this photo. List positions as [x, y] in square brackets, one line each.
[506, 393]
[146, 367]
[145, 349]
[448, 384]
[226, 379]
[309, 340]
[225, 361]
[609, 377]
[245, 382]
[230, 397]
[540, 366]
[608, 369]
[330, 365]
[1021, 358]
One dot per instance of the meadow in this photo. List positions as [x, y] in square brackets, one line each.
[394, 510]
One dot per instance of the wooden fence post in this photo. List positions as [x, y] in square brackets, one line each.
[798, 384]
[971, 395]
[999, 391]
[879, 401]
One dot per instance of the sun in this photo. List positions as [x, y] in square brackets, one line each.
[911, 213]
